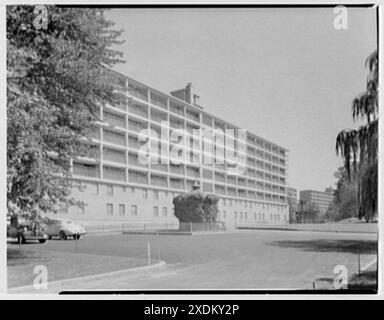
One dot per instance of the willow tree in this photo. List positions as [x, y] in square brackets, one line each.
[359, 147]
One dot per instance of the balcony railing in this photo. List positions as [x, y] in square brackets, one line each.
[138, 93]
[114, 119]
[86, 170]
[114, 155]
[114, 137]
[139, 110]
[114, 173]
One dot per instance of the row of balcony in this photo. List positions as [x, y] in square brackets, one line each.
[138, 177]
[221, 153]
[182, 111]
[181, 171]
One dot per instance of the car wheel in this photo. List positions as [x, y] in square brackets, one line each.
[62, 235]
[49, 237]
[42, 240]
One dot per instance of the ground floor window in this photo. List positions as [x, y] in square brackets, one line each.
[122, 209]
[109, 190]
[110, 209]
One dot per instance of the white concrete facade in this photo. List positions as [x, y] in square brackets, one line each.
[117, 187]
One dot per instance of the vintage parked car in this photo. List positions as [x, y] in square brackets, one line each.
[26, 229]
[63, 228]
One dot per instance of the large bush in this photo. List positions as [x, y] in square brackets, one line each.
[196, 207]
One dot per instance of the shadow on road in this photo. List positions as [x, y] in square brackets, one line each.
[346, 246]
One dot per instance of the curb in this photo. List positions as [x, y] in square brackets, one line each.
[154, 267]
[175, 233]
[311, 230]
[181, 233]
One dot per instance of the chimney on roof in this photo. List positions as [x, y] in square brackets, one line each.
[188, 92]
[187, 95]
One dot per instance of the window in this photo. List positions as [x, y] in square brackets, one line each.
[145, 194]
[134, 210]
[156, 211]
[121, 209]
[155, 195]
[109, 209]
[245, 215]
[165, 211]
[235, 215]
[109, 190]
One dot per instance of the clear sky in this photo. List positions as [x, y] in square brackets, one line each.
[285, 74]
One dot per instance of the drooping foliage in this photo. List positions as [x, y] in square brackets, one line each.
[359, 147]
[344, 204]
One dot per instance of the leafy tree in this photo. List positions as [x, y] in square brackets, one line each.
[292, 205]
[56, 79]
[344, 204]
[308, 211]
[359, 147]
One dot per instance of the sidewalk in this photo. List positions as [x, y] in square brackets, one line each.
[319, 227]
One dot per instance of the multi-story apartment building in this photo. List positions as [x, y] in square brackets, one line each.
[118, 185]
[322, 199]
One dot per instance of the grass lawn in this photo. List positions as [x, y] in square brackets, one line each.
[61, 265]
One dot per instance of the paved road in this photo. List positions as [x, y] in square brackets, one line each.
[246, 259]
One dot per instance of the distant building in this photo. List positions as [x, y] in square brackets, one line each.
[321, 199]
